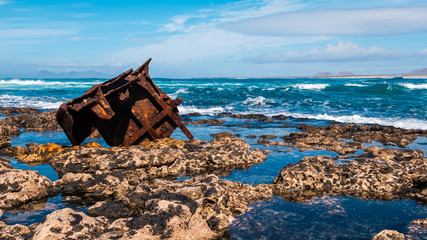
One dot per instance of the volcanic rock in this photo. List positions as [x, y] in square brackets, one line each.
[332, 138]
[69, 224]
[265, 136]
[45, 121]
[18, 187]
[389, 235]
[167, 159]
[109, 173]
[40, 153]
[213, 121]
[259, 117]
[379, 173]
[420, 222]
[7, 111]
[199, 208]
[13, 232]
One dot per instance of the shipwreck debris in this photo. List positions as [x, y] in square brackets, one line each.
[125, 110]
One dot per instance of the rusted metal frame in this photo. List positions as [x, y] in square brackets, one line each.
[145, 122]
[168, 111]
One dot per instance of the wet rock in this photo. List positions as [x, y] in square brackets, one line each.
[317, 140]
[213, 121]
[201, 207]
[379, 173]
[5, 133]
[92, 187]
[13, 232]
[102, 173]
[389, 235]
[265, 136]
[420, 222]
[250, 136]
[359, 133]
[18, 187]
[222, 135]
[5, 164]
[69, 224]
[193, 114]
[280, 117]
[9, 131]
[40, 153]
[7, 111]
[45, 121]
[259, 117]
[4, 143]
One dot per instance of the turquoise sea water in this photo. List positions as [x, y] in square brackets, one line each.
[395, 102]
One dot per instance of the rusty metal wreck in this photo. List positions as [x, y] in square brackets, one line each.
[125, 110]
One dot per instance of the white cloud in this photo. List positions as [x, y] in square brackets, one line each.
[341, 52]
[79, 38]
[196, 36]
[374, 21]
[26, 33]
[178, 22]
[203, 45]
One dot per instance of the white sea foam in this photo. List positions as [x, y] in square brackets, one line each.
[258, 101]
[176, 94]
[34, 102]
[32, 82]
[355, 85]
[203, 111]
[319, 86]
[414, 86]
[396, 122]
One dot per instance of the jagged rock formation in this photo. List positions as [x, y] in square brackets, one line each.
[379, 173]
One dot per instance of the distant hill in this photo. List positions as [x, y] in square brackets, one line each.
[323, 74]
[344, 74]
[419, 72]
[328, 74]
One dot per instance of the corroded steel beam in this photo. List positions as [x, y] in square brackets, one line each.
[126, 110]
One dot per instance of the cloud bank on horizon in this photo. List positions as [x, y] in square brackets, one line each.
[251, 38]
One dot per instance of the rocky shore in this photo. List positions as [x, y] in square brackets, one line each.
[170, 189]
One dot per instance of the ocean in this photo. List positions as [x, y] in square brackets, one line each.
[393, 102]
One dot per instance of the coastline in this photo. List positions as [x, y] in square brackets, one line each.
[113, 194]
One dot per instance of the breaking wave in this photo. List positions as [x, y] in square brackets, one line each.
[39, 82]
[355, 85]
[203, 111]
[319, 86]
[414, 86]
[395, 122]
[34, 102]
[258, 101]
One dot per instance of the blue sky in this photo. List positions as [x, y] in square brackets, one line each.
[248, 38]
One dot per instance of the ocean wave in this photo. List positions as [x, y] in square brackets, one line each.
[258, 101]
[175, 94]
[395, 122]
[414, 86]
[307, 86]
[34, 102]
[355, 85]
[30, 82]
[203, 111]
